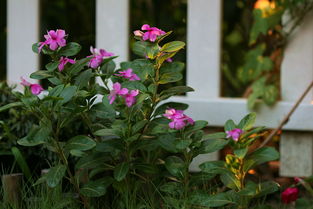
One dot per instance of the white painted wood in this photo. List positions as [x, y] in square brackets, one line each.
[203, 55]
[203, 48]
[296, 154]
[23, 27]
[112, 18]
[296, 148]
[218, 111]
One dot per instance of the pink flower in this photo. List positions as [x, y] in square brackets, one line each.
[169, 60]
[128, 74]
[138, 33]
[130, 97]
[289, 195]
[234, 134]
[97, 56]
[63, 62]
[34, 88]
[178, 119]
[54, 39]
[151, 33]
[117, 90]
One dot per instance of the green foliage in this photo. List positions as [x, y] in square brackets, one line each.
[109, 148]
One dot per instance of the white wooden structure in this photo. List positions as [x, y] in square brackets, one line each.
[203, 74]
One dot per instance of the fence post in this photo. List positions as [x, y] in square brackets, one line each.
[23, 27]
[203, 55]
[296, 148]
[112, 21]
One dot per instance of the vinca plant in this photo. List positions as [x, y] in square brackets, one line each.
[120, 144]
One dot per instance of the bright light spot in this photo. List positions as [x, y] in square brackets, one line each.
[252, 172]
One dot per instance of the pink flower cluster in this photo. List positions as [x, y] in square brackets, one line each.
[97, 56]
[54, 39]
[63, 61]
[234, 134]
[178, 119]
[129, 96]
[34, 88]
[289, 195]
[151, 33]
[128, 74]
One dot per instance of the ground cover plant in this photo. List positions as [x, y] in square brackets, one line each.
[119, 144]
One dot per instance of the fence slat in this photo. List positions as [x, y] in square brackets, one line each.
[23, 27]
[112, 27]
[203, 48]
[296, 148]
[203, 55]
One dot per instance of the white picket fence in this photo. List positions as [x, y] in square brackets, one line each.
[203, 70]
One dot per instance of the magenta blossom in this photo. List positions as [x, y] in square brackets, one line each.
[128, 74]
[117, 90]
[151, 33]
[54, 39]
[178, 119]
[169, 60]
[63, 62]
[34, 88]
[234, 134]
[289, 195]
[130, 97]
[97, 56]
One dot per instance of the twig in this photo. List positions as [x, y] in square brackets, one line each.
[287, 117]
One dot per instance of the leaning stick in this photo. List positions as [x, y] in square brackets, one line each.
[287, 117]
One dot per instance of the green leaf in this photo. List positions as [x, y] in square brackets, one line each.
[182, 144]
[11, 105]
[260, 156]
[51, 66]
[78, 66]
[230, 180]
[173, 46]
[247, 122]
[172, 67]
[67, 93]
[207, 200]
[229, 125]
[175, 166]
[121, 171]
[105, 132]
[177, 90]
[133, 85]
[55, 175]
[41, 74]
[35, 48]
[212, 145]
[81, 143]
[108, 68]
[94, 160]
[267, 187]
[82, 80]
[19, 158]
[138, 126]
[270, 95]
[303, 203]
[214, 167]
[37, 135]
[167, 142]
[260, 26]
[170, 77]
[198, 125]
[77, 153]
[70, 49]
[219, 135]
[172, 188]
[241, 153]
[96, 188]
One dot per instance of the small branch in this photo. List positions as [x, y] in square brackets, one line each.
[287, 117]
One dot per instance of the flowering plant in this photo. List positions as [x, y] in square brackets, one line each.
[125, 138]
